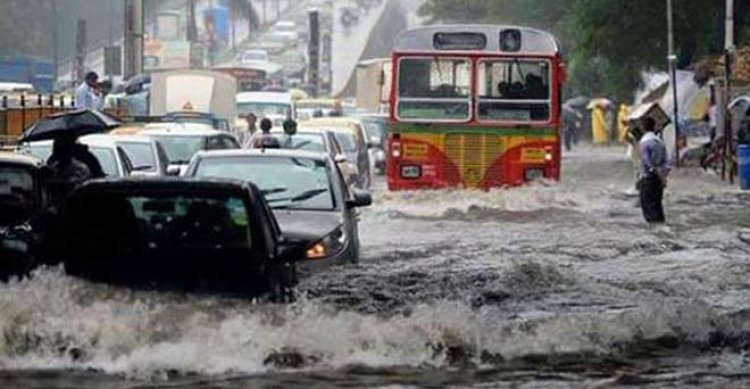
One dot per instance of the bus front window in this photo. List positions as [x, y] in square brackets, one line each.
[434, 89]
[516, 90]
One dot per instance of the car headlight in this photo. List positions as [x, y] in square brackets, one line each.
[330, 245]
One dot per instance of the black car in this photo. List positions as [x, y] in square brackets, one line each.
[307, 193]
[185, 234]
[22, 203]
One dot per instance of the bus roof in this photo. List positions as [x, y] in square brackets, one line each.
[427, 39]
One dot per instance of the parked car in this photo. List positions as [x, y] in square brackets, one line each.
[351, 135]
[22, 202]
[212, 236]
[307, 193]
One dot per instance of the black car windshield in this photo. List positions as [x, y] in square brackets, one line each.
[180, 149]
[347, 140]
[17, 198]
[307, 142]
[141, 155]
[288, 182]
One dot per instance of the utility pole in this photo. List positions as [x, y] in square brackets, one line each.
[55, 44]
[79, 69]
[728, 57]
[133, 38]
[672, 62]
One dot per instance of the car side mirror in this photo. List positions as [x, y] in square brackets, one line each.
[173, 170]
[341, 158]
[360, 198]
[289, 250]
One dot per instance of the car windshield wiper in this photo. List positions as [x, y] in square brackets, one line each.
[306, 195]
[270, 191]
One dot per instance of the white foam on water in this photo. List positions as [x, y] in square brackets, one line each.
[48, 319]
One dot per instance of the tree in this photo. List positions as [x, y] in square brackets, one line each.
[607, 43]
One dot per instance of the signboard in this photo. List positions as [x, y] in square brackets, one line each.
[162, 55]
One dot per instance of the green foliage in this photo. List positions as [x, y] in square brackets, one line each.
[606, 43]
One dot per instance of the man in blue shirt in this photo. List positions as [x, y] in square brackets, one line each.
[654, 171]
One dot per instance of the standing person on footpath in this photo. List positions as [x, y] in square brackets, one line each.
[87, 94]
[654, 171]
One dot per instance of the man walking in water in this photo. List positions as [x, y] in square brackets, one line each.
[654, 171]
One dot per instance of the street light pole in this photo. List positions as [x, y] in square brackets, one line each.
[672, 62]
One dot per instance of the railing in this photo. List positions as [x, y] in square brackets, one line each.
[18, 112]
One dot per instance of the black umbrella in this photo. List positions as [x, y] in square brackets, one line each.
[76, 123]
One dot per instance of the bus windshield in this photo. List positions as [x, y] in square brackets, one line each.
[434, 88]
[514, 90]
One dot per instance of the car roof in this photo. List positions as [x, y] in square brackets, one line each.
[165, 131]
[132, 138]
[287, 153]
[263, 97]
[334, 121]
[180, 184]
[305, 127]
[20, 159]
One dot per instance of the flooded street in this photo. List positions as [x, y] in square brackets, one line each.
[555, 285]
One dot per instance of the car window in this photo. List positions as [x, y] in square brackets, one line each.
[141, 155]
[265, 109]
[40, 152]
[180, 149]
[348, 141]
[300, 183]
[17, 195]
[107, 159]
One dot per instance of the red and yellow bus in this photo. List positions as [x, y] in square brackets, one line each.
[475, 107]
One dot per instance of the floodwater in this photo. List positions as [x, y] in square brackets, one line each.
[554, 285]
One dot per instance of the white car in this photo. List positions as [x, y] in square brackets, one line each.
[112, 158]
[181, 144]
[253, 57]
[287, 29]
[147, 155]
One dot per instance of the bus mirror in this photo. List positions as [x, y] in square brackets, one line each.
[381, 78]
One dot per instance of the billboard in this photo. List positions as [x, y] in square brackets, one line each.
[163, 55]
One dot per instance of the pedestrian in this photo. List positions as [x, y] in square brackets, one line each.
[87, 95]
[245, 135]
[265, 140]
[599, 124]
[66, 171]
[654, 171]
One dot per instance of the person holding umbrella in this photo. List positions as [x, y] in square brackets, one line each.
[67, 165]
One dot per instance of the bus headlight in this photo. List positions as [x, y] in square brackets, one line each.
[330, 245]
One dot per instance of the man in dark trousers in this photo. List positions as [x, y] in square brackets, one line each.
[654, 171]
